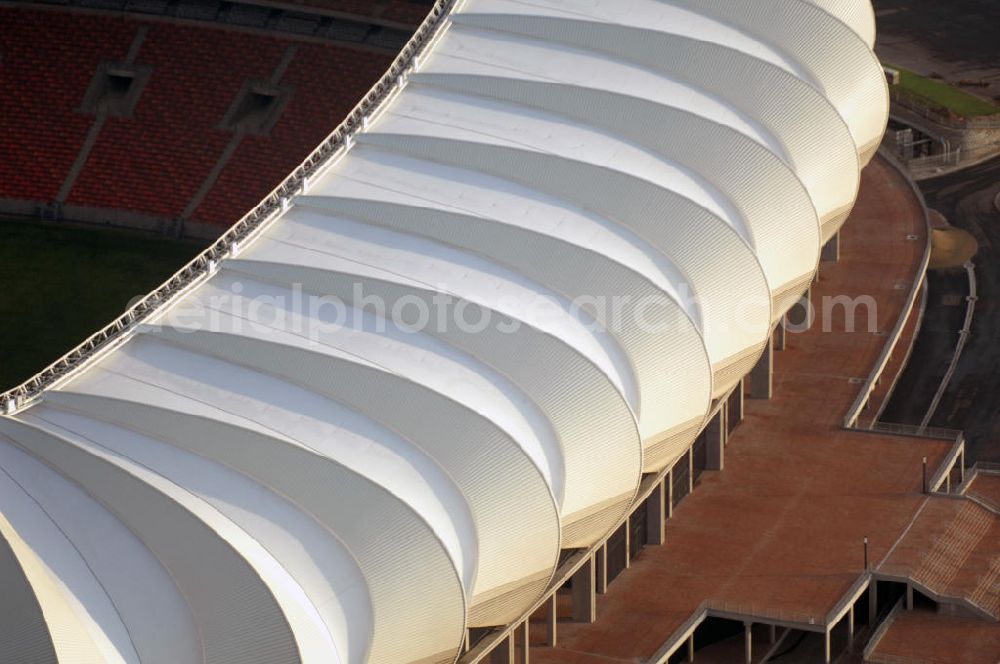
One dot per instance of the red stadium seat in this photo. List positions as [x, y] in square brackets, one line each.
[155, 162]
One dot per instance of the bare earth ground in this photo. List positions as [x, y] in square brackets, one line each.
[957, 39]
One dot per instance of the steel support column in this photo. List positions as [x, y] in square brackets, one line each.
[655, 514]
[761, 377]
[584, 596]
[552, 621]
[715, 441]
[831, 250]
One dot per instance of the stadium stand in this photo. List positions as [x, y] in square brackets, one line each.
[180, 156]
[156, 161]
[304, 123]
[397, 11]
[405, 12]
[45, 81]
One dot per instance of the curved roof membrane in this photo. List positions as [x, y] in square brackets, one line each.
[379, 421]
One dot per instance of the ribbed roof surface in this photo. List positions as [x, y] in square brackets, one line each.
[378, 423]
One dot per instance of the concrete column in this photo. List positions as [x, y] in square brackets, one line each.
[909, 597]
[504, 652]
[670, 493]
[526, 642]
[626, 535]
[748, 642]
[779, 335]
[798, 316]
[552, 621]
[601, 562]
[826, 647]
[850, 626]
[872, 603]
[831, 250]
[655, 514]
[584, 597]
[715, 441]
[690, 456]
[761, 377]
[735, 407]
[691, 647]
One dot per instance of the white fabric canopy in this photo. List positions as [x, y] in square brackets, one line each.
[573, 226]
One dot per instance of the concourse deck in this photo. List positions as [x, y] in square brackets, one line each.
[779, 532]
[926, 637]
[986, 488]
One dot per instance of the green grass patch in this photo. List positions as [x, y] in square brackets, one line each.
[942, 96]
[60, 283]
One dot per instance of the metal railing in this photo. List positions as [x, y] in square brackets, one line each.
[883, 360]
[972, 471]
[724, 609]
[931, 165]
[921, 312]
[963, 337]
[883, 627]
[985, 502]
[244, 230]
[916, 431]
[754, 612]
[882, 658]
[849, 598]
[763, 613]
[676, 639]
[955, 456]
[904, 573]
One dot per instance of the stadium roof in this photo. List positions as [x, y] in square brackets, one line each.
[292, 462]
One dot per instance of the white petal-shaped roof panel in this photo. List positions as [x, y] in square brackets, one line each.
[709, 80]
[586, 409]
[106, 597]
[784, 33]
[720, 270]
[237, 613]
[515, 517]
[858, 15]
[425, 627]
[316, 561]
[311, 420]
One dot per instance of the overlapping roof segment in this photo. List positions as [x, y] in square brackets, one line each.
[456, 353]
[858, 15]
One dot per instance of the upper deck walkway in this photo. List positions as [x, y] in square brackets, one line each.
[985, 487]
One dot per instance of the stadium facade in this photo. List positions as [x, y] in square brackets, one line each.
[525, 279]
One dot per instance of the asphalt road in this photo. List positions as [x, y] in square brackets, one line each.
[972, 400]
[933, 348]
